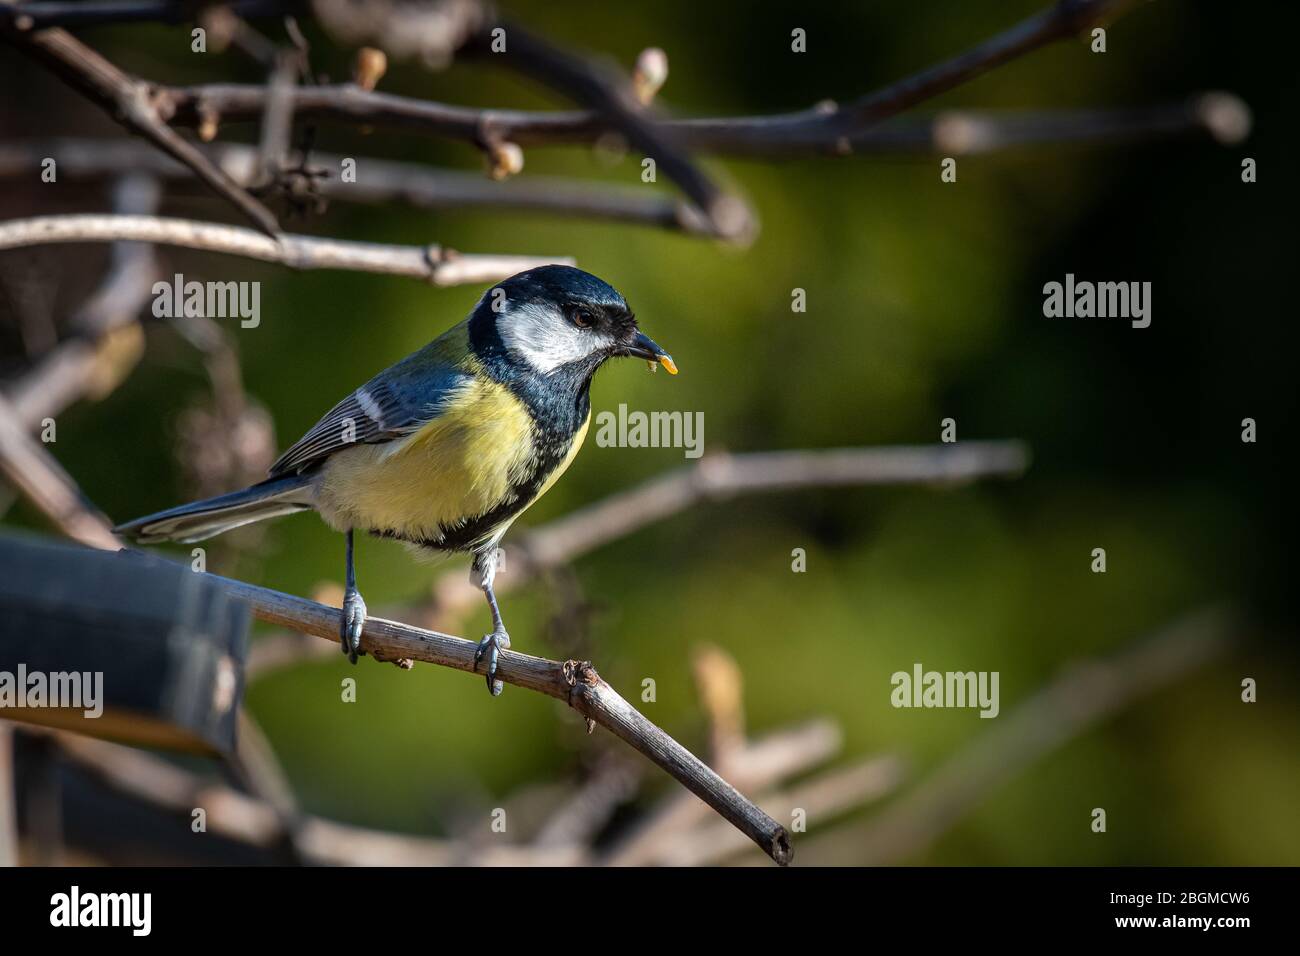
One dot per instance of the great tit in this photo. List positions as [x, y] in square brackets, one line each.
[448, 447]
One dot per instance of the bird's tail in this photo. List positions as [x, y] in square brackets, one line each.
[203, 519]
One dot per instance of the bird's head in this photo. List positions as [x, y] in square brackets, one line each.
[558, 318]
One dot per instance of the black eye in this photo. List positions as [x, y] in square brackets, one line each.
[583, 319]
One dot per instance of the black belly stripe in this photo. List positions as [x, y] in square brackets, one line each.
[468, 535]
[559, 405]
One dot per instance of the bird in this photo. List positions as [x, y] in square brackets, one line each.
[446, 448]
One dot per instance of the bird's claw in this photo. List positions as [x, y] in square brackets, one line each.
[354, 618]
[488, 647]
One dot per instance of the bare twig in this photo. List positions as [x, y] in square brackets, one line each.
[611, 97]
[581, 817]
[574, 682]
[129, 102]
[823, 798]
[105, 343]
[433, 263]
[1221, 116]
[715, 477]
[725, 475]
[825, 128]
[1085, 694]
[256, 764]
[256, 822]
[380, 181]
[33, 471]
[277, 121]
[8, 797]
[758, 766]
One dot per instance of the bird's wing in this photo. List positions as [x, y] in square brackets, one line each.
[393, 404]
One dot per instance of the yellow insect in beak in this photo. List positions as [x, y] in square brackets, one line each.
[645, 347]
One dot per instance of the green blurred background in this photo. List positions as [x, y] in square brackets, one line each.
[924, 301]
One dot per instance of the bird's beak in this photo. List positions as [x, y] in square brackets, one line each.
[644, 347]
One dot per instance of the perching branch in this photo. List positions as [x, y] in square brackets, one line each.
[433, 263]
[574, 682]
[38, 476]
[715, 477]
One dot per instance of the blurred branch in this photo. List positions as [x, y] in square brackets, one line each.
[130, 103]
[717, 477]
[33, 471]
[1222, 116]
[1085, 694]
[574, 682]
[433, 263]
[39, 477]
[256, 822]
[379, 181]
[8, 797]
[105, 342]
[256, 766]
[580, 819]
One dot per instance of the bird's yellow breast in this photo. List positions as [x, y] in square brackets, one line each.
[463, 464]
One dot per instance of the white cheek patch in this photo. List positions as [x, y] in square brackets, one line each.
[545, 338]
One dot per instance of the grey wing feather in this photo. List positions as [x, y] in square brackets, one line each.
[391, 405]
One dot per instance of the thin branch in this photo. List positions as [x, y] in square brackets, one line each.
[825, 128]
[757, 766]
[1221, 116]
[128, 101]
[31, 469]
[433, 263]
[725, 475]
[573, 682]
[827, 796]
[378, 181]
[277, 121]
[716, 477]
[103, 347]
[256, 822]
[610, 96]
[35, 473]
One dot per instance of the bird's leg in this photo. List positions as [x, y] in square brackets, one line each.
[354, 611]
[484, 570]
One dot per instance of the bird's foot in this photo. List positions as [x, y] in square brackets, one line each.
[488, 647]
[354, 618]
